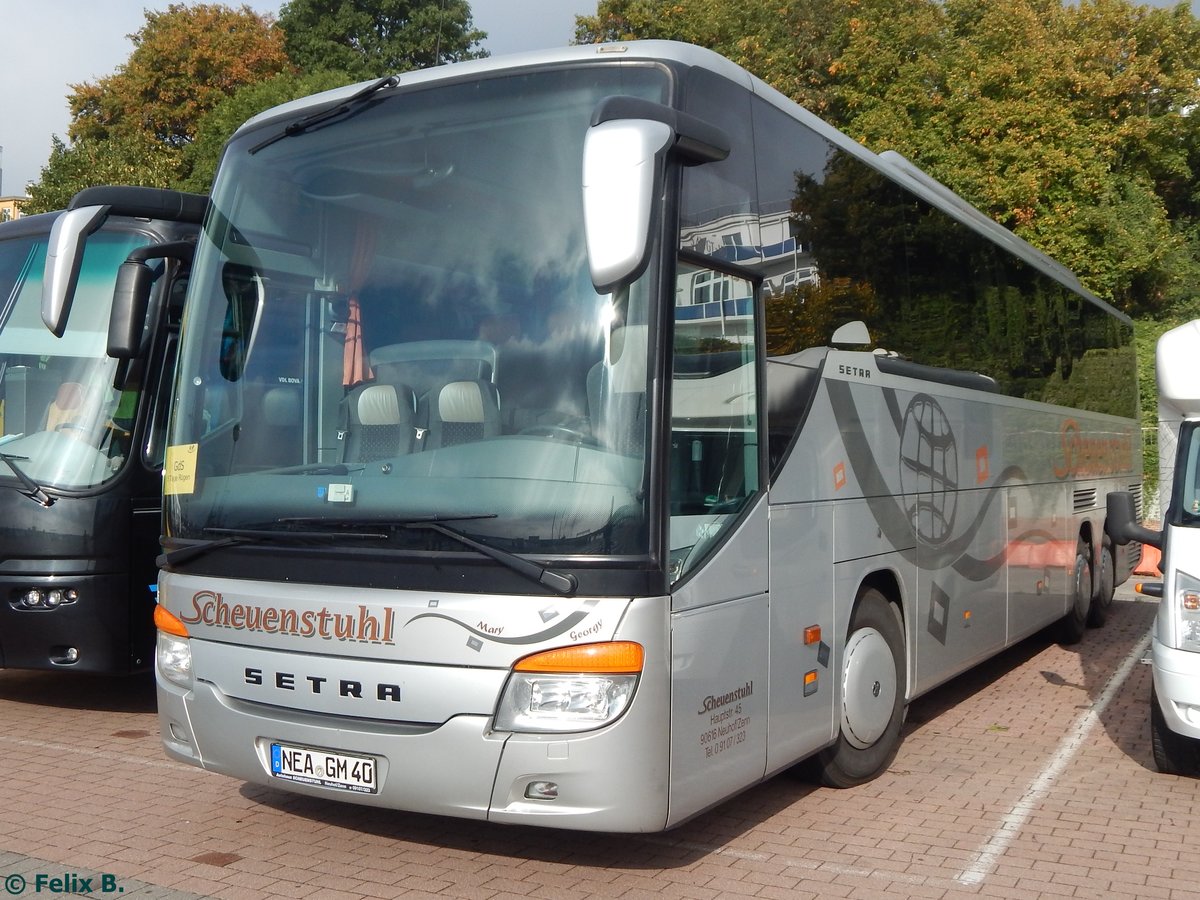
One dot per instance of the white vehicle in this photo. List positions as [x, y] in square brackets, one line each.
[467, 513]
[1175, 642]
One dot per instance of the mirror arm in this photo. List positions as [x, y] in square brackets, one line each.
[696, 141]
[131, 295]
[1121, 523]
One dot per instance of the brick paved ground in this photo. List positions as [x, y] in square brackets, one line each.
[1030, 777]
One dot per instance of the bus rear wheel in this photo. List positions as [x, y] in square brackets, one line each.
[1073, 625]
[1105, 586]
[873, 689]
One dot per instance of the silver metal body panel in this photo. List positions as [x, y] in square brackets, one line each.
[982, 553]
[443, 629]
[802, 595]
[1176, 671]
[719, 708]
[435, 746]
[1177, 684]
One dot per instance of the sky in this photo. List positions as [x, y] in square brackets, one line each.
[51, 44]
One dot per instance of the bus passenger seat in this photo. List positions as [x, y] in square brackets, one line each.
[461, 411]
[617, 393]
[275, 438]
[379, 420]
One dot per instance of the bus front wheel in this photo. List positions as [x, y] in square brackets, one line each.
[873, 689]
[1174, 754]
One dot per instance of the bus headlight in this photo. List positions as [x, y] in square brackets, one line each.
[571, 688]
[175, 659]
[174, 652]
[1187, 610]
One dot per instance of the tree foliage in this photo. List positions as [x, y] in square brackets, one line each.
[372, 38]
[197, 72]
[184, 62]
[1069, 123]
[215, 128]
[124, 159]
[134, 126]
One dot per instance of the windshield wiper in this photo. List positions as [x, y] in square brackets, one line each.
[253, 536]
[330, 112]
[33, 490]
[560, 583]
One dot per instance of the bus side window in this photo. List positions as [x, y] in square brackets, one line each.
[714, 413]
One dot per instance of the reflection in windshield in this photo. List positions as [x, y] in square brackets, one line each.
[393, 319]
[62, 418]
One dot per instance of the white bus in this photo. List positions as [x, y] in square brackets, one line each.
[477, 503]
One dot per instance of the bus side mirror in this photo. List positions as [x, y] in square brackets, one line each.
[1122, 524]
[63, 257]
[623, 155]
[621, 166]
[131, 295]
[131, 299]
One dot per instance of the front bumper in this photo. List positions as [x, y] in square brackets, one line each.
[611, 779]
[1177, 684]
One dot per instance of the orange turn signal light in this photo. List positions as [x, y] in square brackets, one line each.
[812, 634]
[609, 658]
[165, 620]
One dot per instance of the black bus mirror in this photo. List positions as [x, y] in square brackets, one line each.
[1122, 524]
[131, 296]
[131, 299]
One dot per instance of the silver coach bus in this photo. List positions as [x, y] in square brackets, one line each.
[498, 485]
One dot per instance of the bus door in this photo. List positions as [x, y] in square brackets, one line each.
[718, 530]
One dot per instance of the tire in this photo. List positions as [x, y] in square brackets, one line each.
[1106, 585]
[873, 690]
[1174, 754]
[1073, 625]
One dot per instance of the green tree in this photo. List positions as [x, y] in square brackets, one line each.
[1059, 122]
[185, 61]
[372, 38]
[124, 159]
[132, 127]
[788, 43]
[1069, 123]
[218, 125]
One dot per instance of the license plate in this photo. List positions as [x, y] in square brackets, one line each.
[326, 768]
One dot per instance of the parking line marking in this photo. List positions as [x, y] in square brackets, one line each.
[1020, 813]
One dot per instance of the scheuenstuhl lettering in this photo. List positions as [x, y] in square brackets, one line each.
[716, 701]
[361, 627]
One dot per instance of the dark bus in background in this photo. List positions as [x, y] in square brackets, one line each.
[81, 447]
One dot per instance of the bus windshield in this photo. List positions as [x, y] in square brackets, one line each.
[64, 424]
[391, 322]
